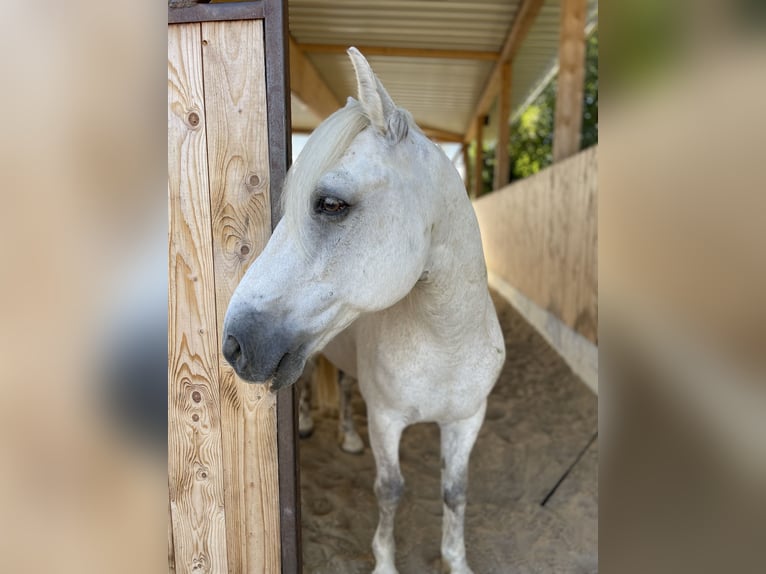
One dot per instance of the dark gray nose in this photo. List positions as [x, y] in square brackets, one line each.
[260, 347]
[232, 350]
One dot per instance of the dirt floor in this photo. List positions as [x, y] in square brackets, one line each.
[532, 499]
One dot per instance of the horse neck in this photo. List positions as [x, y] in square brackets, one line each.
[452, 296]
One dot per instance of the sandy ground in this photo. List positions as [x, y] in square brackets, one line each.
[538, 445]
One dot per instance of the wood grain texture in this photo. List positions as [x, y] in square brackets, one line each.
[194, 426]
[235, 92]
[571, 78]
[540, 236]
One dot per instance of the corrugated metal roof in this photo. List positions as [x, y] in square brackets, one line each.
[440, 93]
[478, 25]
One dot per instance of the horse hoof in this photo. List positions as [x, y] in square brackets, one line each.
[352, 444]
[306, 433]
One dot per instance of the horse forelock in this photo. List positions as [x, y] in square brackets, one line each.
[322, 151]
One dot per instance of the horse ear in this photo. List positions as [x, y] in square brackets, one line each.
[376, 103]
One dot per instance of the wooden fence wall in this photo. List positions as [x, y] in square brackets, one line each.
[223, 472]
[540, 237]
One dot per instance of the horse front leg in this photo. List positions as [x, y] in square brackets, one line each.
[349, 438]
[457, 440]
[305, 420]
[385, 433]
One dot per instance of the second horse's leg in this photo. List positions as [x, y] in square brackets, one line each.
[305, 421]
[350, 441]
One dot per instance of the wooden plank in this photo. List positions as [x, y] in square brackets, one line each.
[235, 91]
[195, 462]
[571, 79]
[540, 236]
[522, 22]
[278, 103]
[478, 165]
[309, 85]
[484, 55]
[184, 11]
[502, 159]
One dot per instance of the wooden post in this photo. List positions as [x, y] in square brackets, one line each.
[232, 477]
[479, 159]
[466, 167]
[502, 159]
[571, 79]
[325, 381]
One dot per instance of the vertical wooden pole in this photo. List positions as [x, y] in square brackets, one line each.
[278, 102]
[479, 159]
[502, 159]
[571, 79]
[325, 379]
[466, 167]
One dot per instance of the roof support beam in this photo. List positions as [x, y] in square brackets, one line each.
[478, 166]
[502, 159]
[523, 21]
[466, 168]
[434, 133]
[403, 52]
[308, 85]
[571, 80]
[441, 135]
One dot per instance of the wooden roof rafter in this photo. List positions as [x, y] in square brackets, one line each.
[523, 21]
[395, 51]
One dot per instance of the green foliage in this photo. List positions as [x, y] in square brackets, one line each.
[531, 139]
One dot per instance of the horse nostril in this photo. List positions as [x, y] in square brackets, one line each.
[231, 349]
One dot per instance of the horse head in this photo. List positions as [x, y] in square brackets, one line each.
[354, 236]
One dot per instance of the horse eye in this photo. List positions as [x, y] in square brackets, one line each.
[331, 205]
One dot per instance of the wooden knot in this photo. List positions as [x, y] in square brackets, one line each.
[254, 183]
[196, 396]
[192, 119]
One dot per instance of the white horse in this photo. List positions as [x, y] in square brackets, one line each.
[378, 261]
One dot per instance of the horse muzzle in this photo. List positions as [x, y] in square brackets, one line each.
[261, 349]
